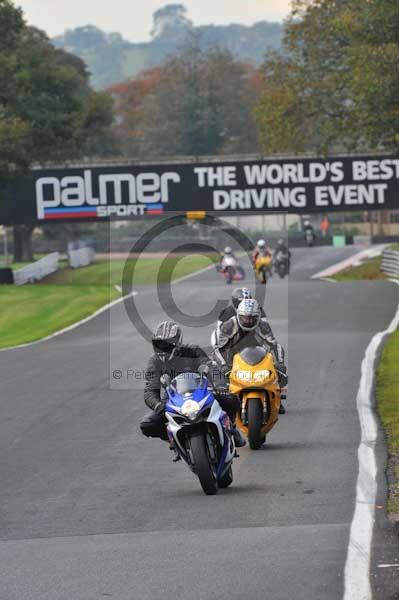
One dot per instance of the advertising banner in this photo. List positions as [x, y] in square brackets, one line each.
[298, 185]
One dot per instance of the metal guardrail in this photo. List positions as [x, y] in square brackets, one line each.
[390, 262]
[37, 270]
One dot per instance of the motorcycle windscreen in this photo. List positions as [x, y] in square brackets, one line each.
[253, 356]
[186, 383]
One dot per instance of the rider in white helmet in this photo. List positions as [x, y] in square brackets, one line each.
[247, 328]
[260, 248]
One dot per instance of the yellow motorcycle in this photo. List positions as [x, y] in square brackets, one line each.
[263, 267]
[254, 379]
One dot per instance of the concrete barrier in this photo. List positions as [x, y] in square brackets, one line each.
[81, 257]
[37, 270]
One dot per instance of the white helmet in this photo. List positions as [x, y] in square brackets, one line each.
[261, 244]
[248, 314]
[228, 250]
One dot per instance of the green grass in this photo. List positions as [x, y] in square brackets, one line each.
[31, 312]
[146, 271]
[388, 409]
[370, 269]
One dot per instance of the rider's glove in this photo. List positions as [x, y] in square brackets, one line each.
[225, 369]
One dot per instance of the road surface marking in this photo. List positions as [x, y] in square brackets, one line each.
[357, 567]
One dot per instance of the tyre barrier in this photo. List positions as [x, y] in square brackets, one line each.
[390, 262]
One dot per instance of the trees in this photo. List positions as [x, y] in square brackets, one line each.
[197, 103]
[335, 87]
[47, 109]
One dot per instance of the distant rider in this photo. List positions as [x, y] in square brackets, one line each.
[283, 248]
[260, 250]
[245, 329]
[227, 254]
[172, 357]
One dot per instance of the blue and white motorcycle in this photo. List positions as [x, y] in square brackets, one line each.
[200, 430]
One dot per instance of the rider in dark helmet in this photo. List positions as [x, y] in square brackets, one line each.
[239, 294]
[171, 357]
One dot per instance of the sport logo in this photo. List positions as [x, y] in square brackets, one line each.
[120, 195]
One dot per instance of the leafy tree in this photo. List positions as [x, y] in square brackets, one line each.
[112, 59]
[47, 109]
[335, 87]
[198, 103]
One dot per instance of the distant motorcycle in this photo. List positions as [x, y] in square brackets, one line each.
[310, 237]
[200, 430]
[282, 264]
[264, 267]
[230, 270]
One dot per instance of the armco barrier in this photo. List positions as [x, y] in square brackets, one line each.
[81, 257]
[37, 270]
[390, 262]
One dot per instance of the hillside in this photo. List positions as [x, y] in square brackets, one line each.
[111, 58]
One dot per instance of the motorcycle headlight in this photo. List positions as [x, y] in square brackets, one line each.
[190, 409]
[260, 375]
[244, 375]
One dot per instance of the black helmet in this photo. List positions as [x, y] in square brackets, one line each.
[167, 337]
[240, 294]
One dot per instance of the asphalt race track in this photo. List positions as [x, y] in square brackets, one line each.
[90, 509]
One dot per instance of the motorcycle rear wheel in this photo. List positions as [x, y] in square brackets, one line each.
[203, 467]
[255, 416]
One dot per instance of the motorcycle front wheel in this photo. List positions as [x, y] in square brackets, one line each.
[202, 465]
[263, 276]
[229, 275]
[255, 416]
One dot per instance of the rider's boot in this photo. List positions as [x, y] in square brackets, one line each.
[238, 439]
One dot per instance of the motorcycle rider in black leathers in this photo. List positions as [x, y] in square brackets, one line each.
[171, 357]
[283, 248]
[248, 328]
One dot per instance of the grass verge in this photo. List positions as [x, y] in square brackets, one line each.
[387, 393]
[368, 270]
[29, 313]
[146, 271]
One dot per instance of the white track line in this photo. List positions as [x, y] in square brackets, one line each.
[97, 313]
[357, 567]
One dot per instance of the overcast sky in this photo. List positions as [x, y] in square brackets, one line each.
[133, 18]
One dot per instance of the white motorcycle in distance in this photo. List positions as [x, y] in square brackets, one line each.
[230, 269]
